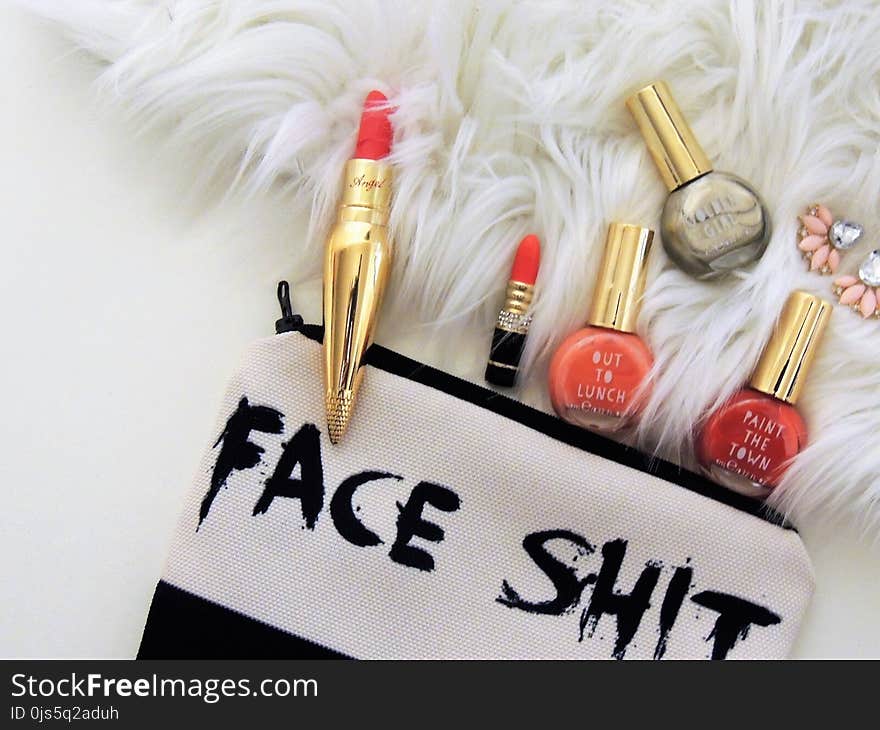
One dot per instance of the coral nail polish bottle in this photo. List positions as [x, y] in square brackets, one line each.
[748, 443]
[598, 374]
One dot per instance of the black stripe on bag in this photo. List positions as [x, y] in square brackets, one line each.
[397, 364]
[182, 626]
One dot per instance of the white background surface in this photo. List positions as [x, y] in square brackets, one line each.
[126, 300]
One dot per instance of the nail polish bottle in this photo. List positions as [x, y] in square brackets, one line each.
[598, 373]
[748, 443]
[712, 222]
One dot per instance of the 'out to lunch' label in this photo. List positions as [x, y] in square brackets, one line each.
[598, 371]
[601, 392]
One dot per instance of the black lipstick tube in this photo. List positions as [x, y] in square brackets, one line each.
[509, 337]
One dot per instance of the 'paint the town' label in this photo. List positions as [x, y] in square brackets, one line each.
[753, 436]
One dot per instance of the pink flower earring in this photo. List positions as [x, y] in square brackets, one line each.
[861, 293]
[821, 238]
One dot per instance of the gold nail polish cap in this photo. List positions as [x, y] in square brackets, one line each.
[620, 284]
[672, 144]
[786, 359]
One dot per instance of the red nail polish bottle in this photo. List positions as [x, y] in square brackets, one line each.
[597, 374]
[748, 443]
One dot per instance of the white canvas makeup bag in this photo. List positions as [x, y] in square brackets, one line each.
[452, 522]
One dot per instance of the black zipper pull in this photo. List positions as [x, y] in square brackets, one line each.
[289, 321]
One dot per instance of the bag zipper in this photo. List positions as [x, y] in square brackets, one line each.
[502, 405]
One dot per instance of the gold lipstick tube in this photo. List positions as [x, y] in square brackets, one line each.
[356, 265]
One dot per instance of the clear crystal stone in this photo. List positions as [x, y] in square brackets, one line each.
[844, 234]
[869, 271]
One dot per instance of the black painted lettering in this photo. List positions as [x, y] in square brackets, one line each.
[236, 452]
[735, 617]
[342, 513]
[627, 609]
[564, 578]
[303, 449]
[410, 524]
[678, 588]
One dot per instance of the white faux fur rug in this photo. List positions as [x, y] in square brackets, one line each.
[511, 119]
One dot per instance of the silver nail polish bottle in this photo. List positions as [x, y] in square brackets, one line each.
[712, 222]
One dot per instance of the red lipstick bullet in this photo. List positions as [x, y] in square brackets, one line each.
[527, 260]
[375, 133]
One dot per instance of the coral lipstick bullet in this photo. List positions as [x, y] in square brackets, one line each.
[375, 133]
[514, 319]
[356, 264]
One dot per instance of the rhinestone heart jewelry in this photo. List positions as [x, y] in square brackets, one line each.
[862, 293]
[821, 238]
